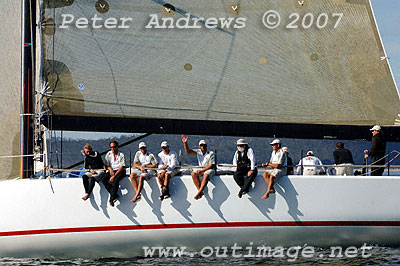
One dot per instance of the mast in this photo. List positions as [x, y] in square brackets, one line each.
[28, 71]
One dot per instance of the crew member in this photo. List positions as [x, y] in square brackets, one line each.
[311, 165]
[377, 151]
[115, 161]
[278, 163]
[168, 163]
[96, 167]
[142, 161]
[205, 160]
[290, 169]
[245, 163]
[343, 157]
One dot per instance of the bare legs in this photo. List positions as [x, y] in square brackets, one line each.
[137, 187]
[270, 180]
[163, 178]
[200, 186]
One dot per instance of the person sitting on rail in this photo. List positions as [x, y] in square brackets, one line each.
[343, 157]
[206, 161]
[278, 163]
[310, 165]
[245, 163]
[115, 162]
[168, 163]
[143, 159]
[96, 167]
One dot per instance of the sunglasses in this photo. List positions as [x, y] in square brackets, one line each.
[113, 147]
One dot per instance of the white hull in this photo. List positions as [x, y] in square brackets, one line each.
[319, 211]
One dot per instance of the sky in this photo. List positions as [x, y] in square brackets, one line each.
[387, 13]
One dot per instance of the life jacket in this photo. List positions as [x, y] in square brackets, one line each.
[243, 162]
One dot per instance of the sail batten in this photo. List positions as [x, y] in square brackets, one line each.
[331, 75]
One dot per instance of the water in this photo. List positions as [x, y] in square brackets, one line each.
[378, 256]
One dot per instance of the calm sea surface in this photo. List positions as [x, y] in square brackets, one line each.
[379, 256]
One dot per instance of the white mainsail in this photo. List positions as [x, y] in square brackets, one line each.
[332, 75]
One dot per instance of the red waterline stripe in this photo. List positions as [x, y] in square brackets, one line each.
[197, 225]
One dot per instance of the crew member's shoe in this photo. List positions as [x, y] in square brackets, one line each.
[164, 193]
[240, 193]
[113, 200]
[167, 195]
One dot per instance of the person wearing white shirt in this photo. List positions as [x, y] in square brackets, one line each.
[115, 162]
[168, 163]
[310, 165]
[278, 163]
[143, 160]
[206, 161]
[245, 163]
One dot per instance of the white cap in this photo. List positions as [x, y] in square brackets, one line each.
[164, 144]
[310, 153]
[275, 141]
[142, 145]
[376, 127]
[241, 142]
[285, 149]
[202, 142]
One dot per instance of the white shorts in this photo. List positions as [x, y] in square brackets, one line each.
[344, 170]
[210, 173]
[172, 173]
[147, 175]
[278, 173]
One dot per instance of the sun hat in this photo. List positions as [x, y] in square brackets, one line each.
[275, 141]
[142, 145]
[164, 144]
[202, 142]
[241, 142]
[376, 127]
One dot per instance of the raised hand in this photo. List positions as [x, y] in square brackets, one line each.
[184, 139]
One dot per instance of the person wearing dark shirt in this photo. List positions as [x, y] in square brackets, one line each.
[377, 151]
[290, 169]
[343, 157]
[94, 164]
[246, 170]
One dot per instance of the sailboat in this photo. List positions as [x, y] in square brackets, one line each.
[321, 74]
